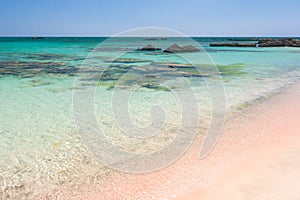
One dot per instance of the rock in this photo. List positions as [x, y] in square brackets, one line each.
[174, 48]
[36, 38]
[285, 42]
[178, 49]
[265, 42]
[173, 65]
[149, 47]
[242, 39]
[151, 76]
[125, 60]
[190, 48]
[269, 42]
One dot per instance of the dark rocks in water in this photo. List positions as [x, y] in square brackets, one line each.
[38, 82]
[178, 49]
[37, 38]
[154, 86]
[190, 48]
[150, 86]
[265, 42]
[151, 76]
[242, 39]
[146, 76]
[149, 47]
[30, 69]
[285, 42]
[125, 60]
[152, 69]
[50, 57]
[37, 56]
[172, 49]
[191, 74]
[173, 65]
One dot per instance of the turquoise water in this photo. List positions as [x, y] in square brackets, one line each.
[40, 144]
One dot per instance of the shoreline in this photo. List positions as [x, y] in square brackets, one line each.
[270, 165]
[256, 131]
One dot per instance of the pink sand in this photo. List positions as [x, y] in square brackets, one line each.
[257, 157]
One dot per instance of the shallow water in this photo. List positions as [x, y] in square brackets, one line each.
[40, 143]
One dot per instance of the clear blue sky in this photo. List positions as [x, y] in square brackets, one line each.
[192, 17]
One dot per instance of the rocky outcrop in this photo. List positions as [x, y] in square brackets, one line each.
[178, 49]
[285, 42]
[149, 47]
[265, 42]
[172, 49]
[37, 38]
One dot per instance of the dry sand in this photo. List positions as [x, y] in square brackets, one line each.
[271, 167]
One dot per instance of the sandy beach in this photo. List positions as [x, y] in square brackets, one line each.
[126, 100]
[256, 158]
[270, 167]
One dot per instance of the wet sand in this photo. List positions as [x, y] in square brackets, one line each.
[257, 157]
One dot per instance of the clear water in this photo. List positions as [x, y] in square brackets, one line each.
[40, 144]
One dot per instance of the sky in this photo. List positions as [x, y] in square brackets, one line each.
[109, 17]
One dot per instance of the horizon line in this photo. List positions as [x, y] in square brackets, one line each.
[98, 36]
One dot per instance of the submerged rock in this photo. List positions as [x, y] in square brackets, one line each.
[178, 49]
[173, 65]
[34, 68]
[149, 47]
[38, 82]
[125, 60]
[50, 57]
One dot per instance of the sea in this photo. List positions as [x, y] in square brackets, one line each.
[54, 89]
